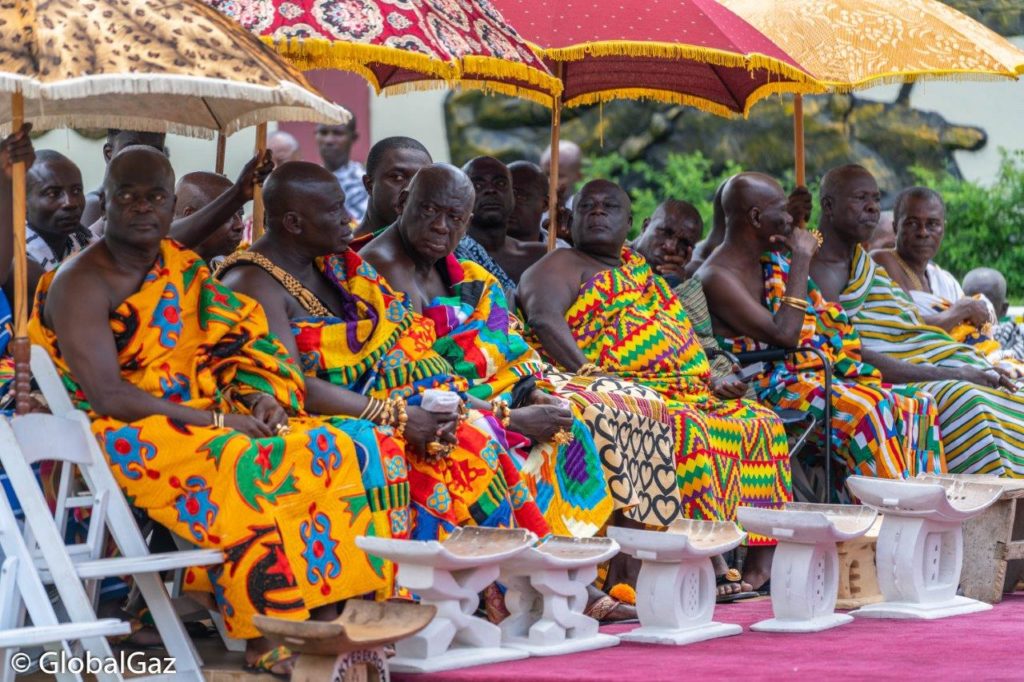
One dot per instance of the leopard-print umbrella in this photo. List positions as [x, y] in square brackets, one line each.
[174, 66]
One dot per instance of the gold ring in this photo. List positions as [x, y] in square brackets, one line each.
[562, 437]
[282, 430]
[820, 237]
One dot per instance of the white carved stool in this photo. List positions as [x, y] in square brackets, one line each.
[805, 567]
[450, 576]
[921, 545]
[547, 594]
[675, 592]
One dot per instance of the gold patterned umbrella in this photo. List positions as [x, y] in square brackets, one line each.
[173, 66]
[852, 44]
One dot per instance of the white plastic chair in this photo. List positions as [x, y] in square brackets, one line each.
[21, 590]
[66, 436]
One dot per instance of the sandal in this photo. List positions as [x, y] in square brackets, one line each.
[265, 663]
[602, 608]
[734, 596]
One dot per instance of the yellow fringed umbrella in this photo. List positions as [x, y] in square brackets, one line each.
[153, 65]
[401, 45]
[853, 44]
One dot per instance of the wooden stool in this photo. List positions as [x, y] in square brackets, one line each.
[858, 579]
[351, 647]
[992, 541]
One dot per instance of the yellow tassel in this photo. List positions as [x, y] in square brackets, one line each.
[623, 593]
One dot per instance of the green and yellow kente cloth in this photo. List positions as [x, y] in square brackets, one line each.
[628, 322]
[284, 510]
[982, 428]
[876, 429]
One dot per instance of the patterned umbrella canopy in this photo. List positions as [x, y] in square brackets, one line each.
[692, 52]
[401, 44]
[850, 44]
[159, 65]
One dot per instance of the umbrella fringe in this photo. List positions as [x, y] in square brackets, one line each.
[630, 48]
[479, 70]
[286, 101]
[487, 87]
[914, 77]
[317, 53]
[673, 97]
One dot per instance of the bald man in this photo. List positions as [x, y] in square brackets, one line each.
[530, 188]
[981, 416]
[117, 140]
[196, 191]
[570, 169]
[669, 237]
[362, 348]
[1007, 332]
[596, 308]
[203, 425]
[760, 296]
[283, 147]
[487, 242]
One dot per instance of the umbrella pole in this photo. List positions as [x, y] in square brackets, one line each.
[556, 118]
[798, 144]
[21, 349]
[221, 147]
[798, 140]
[257, 191]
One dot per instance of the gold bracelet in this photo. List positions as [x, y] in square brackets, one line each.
[794, 302]
[501, 411]
[372, 410]
[401, 417]
[587, 369]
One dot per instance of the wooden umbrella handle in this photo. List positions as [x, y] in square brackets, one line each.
[20, 347]
[257, 191]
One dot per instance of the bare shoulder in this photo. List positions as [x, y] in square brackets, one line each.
[557, 265]
[883, 257]
[254, 282]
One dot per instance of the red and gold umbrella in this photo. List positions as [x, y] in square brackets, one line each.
[692, 52]
[401, 44]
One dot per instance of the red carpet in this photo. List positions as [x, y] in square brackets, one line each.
[985, 646]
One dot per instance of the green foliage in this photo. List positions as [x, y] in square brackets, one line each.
[687, 177]
[984, 224]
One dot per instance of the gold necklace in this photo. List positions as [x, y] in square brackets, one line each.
[916, 281]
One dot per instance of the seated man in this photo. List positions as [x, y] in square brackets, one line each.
[487, 242]
[570, 172]
[530, 189]
[194, 192]
[116, 140]
[597, 307]
[668, 238]
[390, 166]
[1008, 333]
[760, 298]
[199, 412]
[920, 218]
[982, 423]
[360, 346]
[54, 202]
[480, 336]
